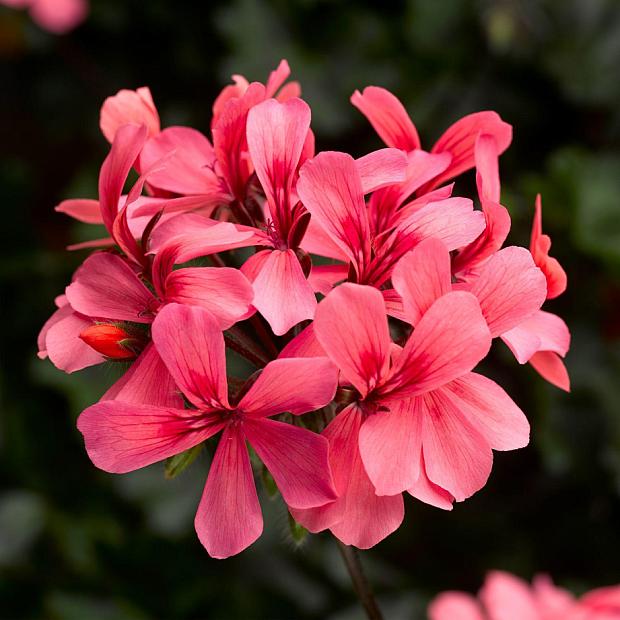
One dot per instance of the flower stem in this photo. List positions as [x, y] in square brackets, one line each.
[362, 587]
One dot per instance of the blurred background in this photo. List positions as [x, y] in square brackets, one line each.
[76, 543]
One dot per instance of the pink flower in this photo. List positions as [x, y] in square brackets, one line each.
[506, 597]
[129, 107]
[56, 16]
[332, 187]
[122, 437]
[419, 420]
[391, 121]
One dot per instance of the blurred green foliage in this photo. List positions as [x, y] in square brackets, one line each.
[76, 543]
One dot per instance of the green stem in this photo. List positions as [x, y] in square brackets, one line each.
[362, 587]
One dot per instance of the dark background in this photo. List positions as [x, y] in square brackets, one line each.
[76, 543]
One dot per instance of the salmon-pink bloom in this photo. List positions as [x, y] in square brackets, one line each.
[122, 437]
[420, 420]
[506, 597]
[391, 121]
[332, 188]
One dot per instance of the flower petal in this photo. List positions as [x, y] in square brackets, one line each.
[122, 437]
[450, 339]
[457, 457]
[229, 517]
[276, 133]
[388, 117]
[106, 286]
[282, 294]
[510, 289]
[191, 344]
[506, 597]
[129, 106]
[390, 444]
[381, 168]
[223, 291]
[490, 411]
[549, 366]
[455, 606]
[330, 188]
[296, 458]
[147, 382]
[422, 276]
[351, 326]
[358, 517]
[293, 384]
[428, 492]
[81, 209]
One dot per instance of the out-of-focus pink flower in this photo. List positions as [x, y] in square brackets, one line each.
[122, 437]
[56, 16]
[506, 597]
[419, 421]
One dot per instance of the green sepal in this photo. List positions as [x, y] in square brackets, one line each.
[298, 532]
[177, 463]
[269, 483]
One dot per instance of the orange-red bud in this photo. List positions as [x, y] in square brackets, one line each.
[111, 341]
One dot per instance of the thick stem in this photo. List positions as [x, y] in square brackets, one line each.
[362, 587]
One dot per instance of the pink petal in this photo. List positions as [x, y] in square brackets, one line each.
[81, 209]
[196, 235]
[381, 168]
[429, 493]
[282, 294]
[510, 289]
[191, 344]
[189, 167]
[490, 411]
[229, 138]
[59, 16]
[507, 597]
[497, 227]
[66, 350]
[487, 170]
[277, 77]
[450, 339]
[224, 292]
[106, 286]
[231, 91]
[539, 246]
[553, 600]
[455, 606]
[297, 460]
[127, 144]
[129, 106]
[122, 437]
[94, 243]
[295, 385]
[460, 139]
[62, 311]
[541, 332]
[452, 221]
[422, 276]
[276, 133]
[390, 444]
[305, 344]
[229, 517]
[323, 278]
[358, 517]
[549, 366]
[147, 382]
[317, 241]
[351, 326]
[330, 188]
[388, 117]
[457, 457]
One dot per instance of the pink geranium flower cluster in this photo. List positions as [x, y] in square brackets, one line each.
[506, 597]
[362, 290]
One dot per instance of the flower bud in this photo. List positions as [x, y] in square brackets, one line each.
[112, 341]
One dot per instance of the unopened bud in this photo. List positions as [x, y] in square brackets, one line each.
[112, 341]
